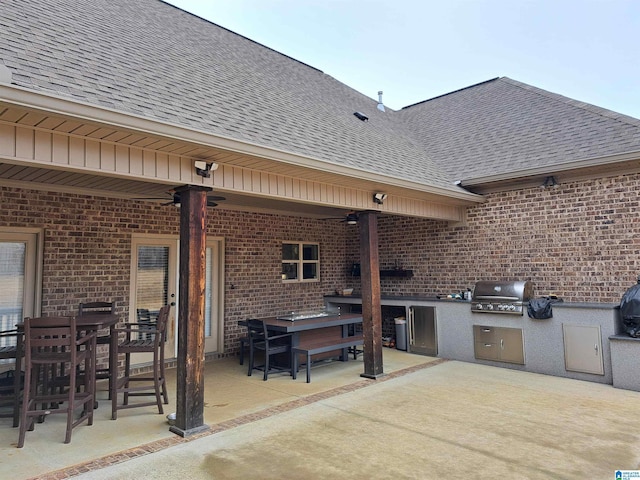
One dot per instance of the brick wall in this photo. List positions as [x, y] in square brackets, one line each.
[87, 252]
[580, 241]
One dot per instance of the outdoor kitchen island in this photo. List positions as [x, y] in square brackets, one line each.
[574, 343]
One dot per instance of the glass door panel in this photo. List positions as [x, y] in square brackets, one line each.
[20, 277]
[12, 274]
[214, 294]
[154, 283]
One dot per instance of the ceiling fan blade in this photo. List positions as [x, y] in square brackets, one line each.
[211, 200]
[148, 198]
[350, 218]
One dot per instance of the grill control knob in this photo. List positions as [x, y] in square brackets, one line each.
[479, 306]
[490, 307]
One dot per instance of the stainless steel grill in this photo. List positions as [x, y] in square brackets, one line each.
[501, 297]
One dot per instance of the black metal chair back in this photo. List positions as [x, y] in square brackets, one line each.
[270, 344]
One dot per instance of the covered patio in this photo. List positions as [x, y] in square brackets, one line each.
[427, 418]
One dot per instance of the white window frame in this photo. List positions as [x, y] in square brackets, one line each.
[301, 262]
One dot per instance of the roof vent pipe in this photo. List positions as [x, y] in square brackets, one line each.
[380, 104]
[5, 74]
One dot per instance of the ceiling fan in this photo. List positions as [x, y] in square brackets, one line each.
[350, 219]
[175, 199]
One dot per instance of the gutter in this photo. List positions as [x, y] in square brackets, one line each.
[26, 98]
[544, 171]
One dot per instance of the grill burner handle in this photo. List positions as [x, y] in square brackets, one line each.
[492, 298]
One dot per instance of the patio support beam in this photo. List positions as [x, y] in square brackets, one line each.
[190, 369]
[370, 282]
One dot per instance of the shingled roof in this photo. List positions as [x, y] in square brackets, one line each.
[503, 126]
[154, 60]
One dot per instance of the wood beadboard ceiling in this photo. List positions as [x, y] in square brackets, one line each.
[98, 185]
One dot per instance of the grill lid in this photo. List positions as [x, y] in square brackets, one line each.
[506, 291]
[501, 297]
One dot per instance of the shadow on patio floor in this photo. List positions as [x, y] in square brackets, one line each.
[231, 399]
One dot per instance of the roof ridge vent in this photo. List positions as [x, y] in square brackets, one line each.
[380, 104]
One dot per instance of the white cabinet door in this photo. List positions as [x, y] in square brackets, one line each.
[583, 348]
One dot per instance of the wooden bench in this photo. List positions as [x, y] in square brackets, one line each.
[321, 347]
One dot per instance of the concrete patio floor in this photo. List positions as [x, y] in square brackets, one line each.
[427, 419]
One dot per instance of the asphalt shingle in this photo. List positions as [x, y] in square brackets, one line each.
[503, 126]
[151, 59]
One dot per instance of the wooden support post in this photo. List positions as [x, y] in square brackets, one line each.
[190, 369]
[370, 281]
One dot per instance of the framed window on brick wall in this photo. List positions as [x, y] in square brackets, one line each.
[300, 262]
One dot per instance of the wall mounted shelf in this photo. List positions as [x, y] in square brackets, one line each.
[397, 273]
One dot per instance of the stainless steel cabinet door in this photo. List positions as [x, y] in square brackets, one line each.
[583, 348]
[422, 331]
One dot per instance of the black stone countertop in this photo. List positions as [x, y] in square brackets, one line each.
[428, 298]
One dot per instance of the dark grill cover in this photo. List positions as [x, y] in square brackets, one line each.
[630, 311]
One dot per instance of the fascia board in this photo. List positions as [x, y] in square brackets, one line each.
[553, 169]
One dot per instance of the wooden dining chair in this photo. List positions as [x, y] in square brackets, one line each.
[11, 349]
[269, 344]
[48, 343]
[141, 338]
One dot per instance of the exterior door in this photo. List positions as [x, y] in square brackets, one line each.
[214, 296]
[155, 283]
[154, 267]
[20, 277]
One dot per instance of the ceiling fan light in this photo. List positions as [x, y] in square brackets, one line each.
[352, 219]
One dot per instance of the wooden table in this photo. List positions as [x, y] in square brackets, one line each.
[309, 330]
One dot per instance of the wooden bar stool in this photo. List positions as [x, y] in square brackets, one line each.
[103, 336]
[48, 343]
[141, 338]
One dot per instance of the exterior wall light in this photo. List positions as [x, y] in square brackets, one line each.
[379, 198]
[549, 181]
[204, 169]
